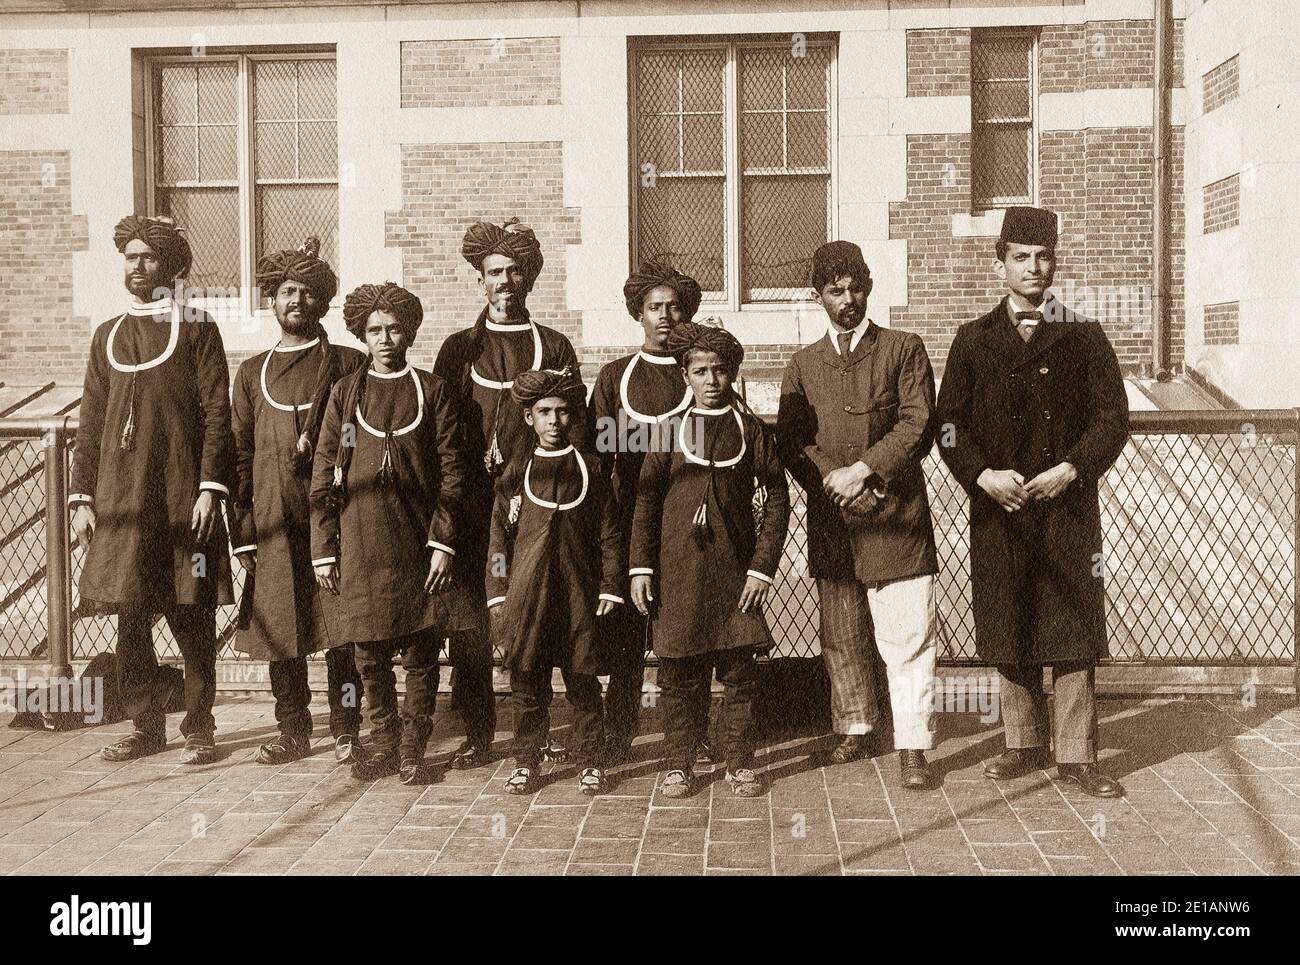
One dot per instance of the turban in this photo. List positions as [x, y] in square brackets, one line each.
[511, 239]
[689, 337]
[640, 283]
[303, 265]
[163, 235]
[393, 299]
[534, 385]
[1029, 226]
[836, 259]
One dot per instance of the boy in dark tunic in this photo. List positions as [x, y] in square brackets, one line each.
[710, 522]
[633, 405]
[555, 564]
[152, 466]
[278, 403]
[479, 365]
[387, 483]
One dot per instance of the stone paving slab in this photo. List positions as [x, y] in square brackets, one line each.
[1213, 789]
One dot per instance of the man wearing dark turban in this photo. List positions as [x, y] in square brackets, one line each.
[480, 364]
[854, 426]
[152, 465]
[1034, 403]
[555, 525]
[634, 402]
[278, 403]
[386, 510]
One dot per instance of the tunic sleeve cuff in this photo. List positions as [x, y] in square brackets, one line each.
[76, 499]
[214, 487]
[244, 549]
[324, 559]
[435, 545]
[495, 600]
[759, 576]
[610, 597]
[641, 571]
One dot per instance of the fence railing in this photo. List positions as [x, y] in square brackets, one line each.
[1200, 536]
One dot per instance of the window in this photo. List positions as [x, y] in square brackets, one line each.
[243, 153]
[732, 144]
[1002, 118]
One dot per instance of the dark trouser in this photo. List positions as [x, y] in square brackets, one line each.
[530, 697]
[1024, 709]
[409, 732]
[623, 696]
[471, 683]
[195, 629]
[685, 685]
[293, 694]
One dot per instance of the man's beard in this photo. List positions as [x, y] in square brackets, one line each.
[515, 306]
[849, 317]
[301, 323]
[147, 288]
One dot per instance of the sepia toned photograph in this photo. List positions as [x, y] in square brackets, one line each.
[629, 438]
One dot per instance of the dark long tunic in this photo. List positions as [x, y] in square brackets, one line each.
[700, 584]
[384, 537]
[1003, 403]
[632, 408]
[286, 615]
[143, 551]
[495, 357]
[554, 562]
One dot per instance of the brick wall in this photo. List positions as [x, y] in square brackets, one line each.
[1102, 55]
[501, 72]
[33, 82]
[1219, 85]
[1221, 203]
[38, 234]
[445, 189]
[938, 63]
[1221, 322]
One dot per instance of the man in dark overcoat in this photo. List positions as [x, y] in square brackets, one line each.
[1031, 413]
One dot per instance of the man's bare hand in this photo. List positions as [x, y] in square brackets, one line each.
[753, 595]
[1006, 487]
[605, 607]
[204, 518]
[439, 572]
[327, 577]
[642, 595]
[1052, 482]
[83, 524]
[248, 561]
[846, 484]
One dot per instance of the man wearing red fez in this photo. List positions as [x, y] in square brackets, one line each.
[278, 403]
[1031, 413]
[152, 467]
[479, 364]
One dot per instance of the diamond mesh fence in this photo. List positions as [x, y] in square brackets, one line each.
[1199, 554]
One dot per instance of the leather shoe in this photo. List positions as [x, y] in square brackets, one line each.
[915, 768]
[1017, 762]
[1088, 779]
[850, 748]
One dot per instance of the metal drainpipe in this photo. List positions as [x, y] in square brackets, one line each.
[1160, 138]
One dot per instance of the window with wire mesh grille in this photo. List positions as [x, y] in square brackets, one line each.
[1002, 118]
[732, 147]
[244, 155]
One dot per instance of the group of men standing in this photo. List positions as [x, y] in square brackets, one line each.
[363, 494]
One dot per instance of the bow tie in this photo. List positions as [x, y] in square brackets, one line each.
[1029, 317]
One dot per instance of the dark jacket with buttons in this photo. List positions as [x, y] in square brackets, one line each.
[874, 406]
[1005, 403]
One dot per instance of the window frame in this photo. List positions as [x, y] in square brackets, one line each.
[733, 298]
[980, 205]
[248, 304]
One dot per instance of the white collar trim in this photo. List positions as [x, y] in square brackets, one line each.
[419, 404]
[164, 304]
[172, 338]
[539, 451]
[537, 356]
[641, 416]
[547, 504]
[297, 348]
[389, 375]
[507, 326]
[716, 464]
[656, 359]
[266, 390]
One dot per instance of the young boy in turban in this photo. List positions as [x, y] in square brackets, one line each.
[386, 496]
[152, 466]
[634, 404]
[556, 564]
[480, 364]
[709, 525]
[278, 403]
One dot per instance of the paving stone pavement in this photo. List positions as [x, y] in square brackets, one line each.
[1213, 789]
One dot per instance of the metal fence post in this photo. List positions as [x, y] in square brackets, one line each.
[58, 589]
